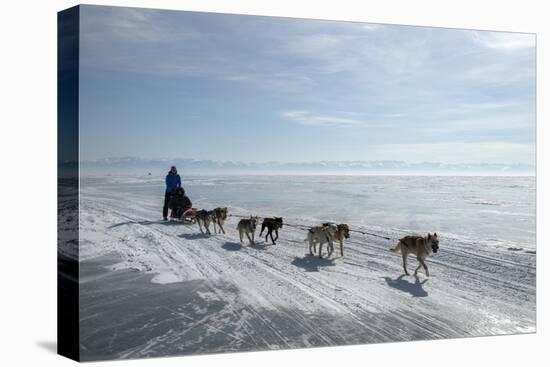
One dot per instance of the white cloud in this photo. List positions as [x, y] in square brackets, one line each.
[313, 44]
[503, 40]
[310, 119]
[136, 26]
[372, 26]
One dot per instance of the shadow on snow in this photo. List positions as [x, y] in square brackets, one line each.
[194, 236]
[415, 289]
[232, 246]
[146, 223]
[312, 263]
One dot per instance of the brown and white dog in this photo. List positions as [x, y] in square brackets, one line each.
[422, 247]
[219, 217]
[341, 231]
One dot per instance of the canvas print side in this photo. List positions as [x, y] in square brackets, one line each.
[67, 183]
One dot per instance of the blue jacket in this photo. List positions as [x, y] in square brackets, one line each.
[173, 181]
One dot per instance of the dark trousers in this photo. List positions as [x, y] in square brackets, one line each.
[167, 197]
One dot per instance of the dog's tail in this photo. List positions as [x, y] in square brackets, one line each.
[396, 248]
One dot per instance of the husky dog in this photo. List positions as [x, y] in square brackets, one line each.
[422, 247]
[206, 217]
[320, 235]
[272, 224]
[220, 215]
[248, 227]
[340, 231]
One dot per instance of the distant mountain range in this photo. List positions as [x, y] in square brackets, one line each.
[135, 163]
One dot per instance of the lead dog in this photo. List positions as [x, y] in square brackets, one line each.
[205, 217]
[248, 227]
[272, 224]
[422, 247]
[340, 231]
[220, 215]
[320, 235]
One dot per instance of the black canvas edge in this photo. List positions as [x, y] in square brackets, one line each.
[68, 24]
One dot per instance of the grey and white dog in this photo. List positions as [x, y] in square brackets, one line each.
[204, 218]
[247, 227]
[320, 235]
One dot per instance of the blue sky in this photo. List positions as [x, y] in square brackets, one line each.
[163, 84]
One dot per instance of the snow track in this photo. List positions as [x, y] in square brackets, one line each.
[277, 296]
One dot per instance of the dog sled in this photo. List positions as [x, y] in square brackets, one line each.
[185, 216]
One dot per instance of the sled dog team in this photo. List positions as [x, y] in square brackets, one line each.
[326, 233]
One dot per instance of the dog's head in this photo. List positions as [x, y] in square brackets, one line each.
[279, 221]
[253, 221]
[434, 242]
[221, 213]
[344, 229]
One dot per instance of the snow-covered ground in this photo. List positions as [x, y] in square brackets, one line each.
[155, 288]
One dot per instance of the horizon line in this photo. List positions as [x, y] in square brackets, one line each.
[167, 159]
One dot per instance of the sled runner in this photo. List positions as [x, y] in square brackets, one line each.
[184, 215]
